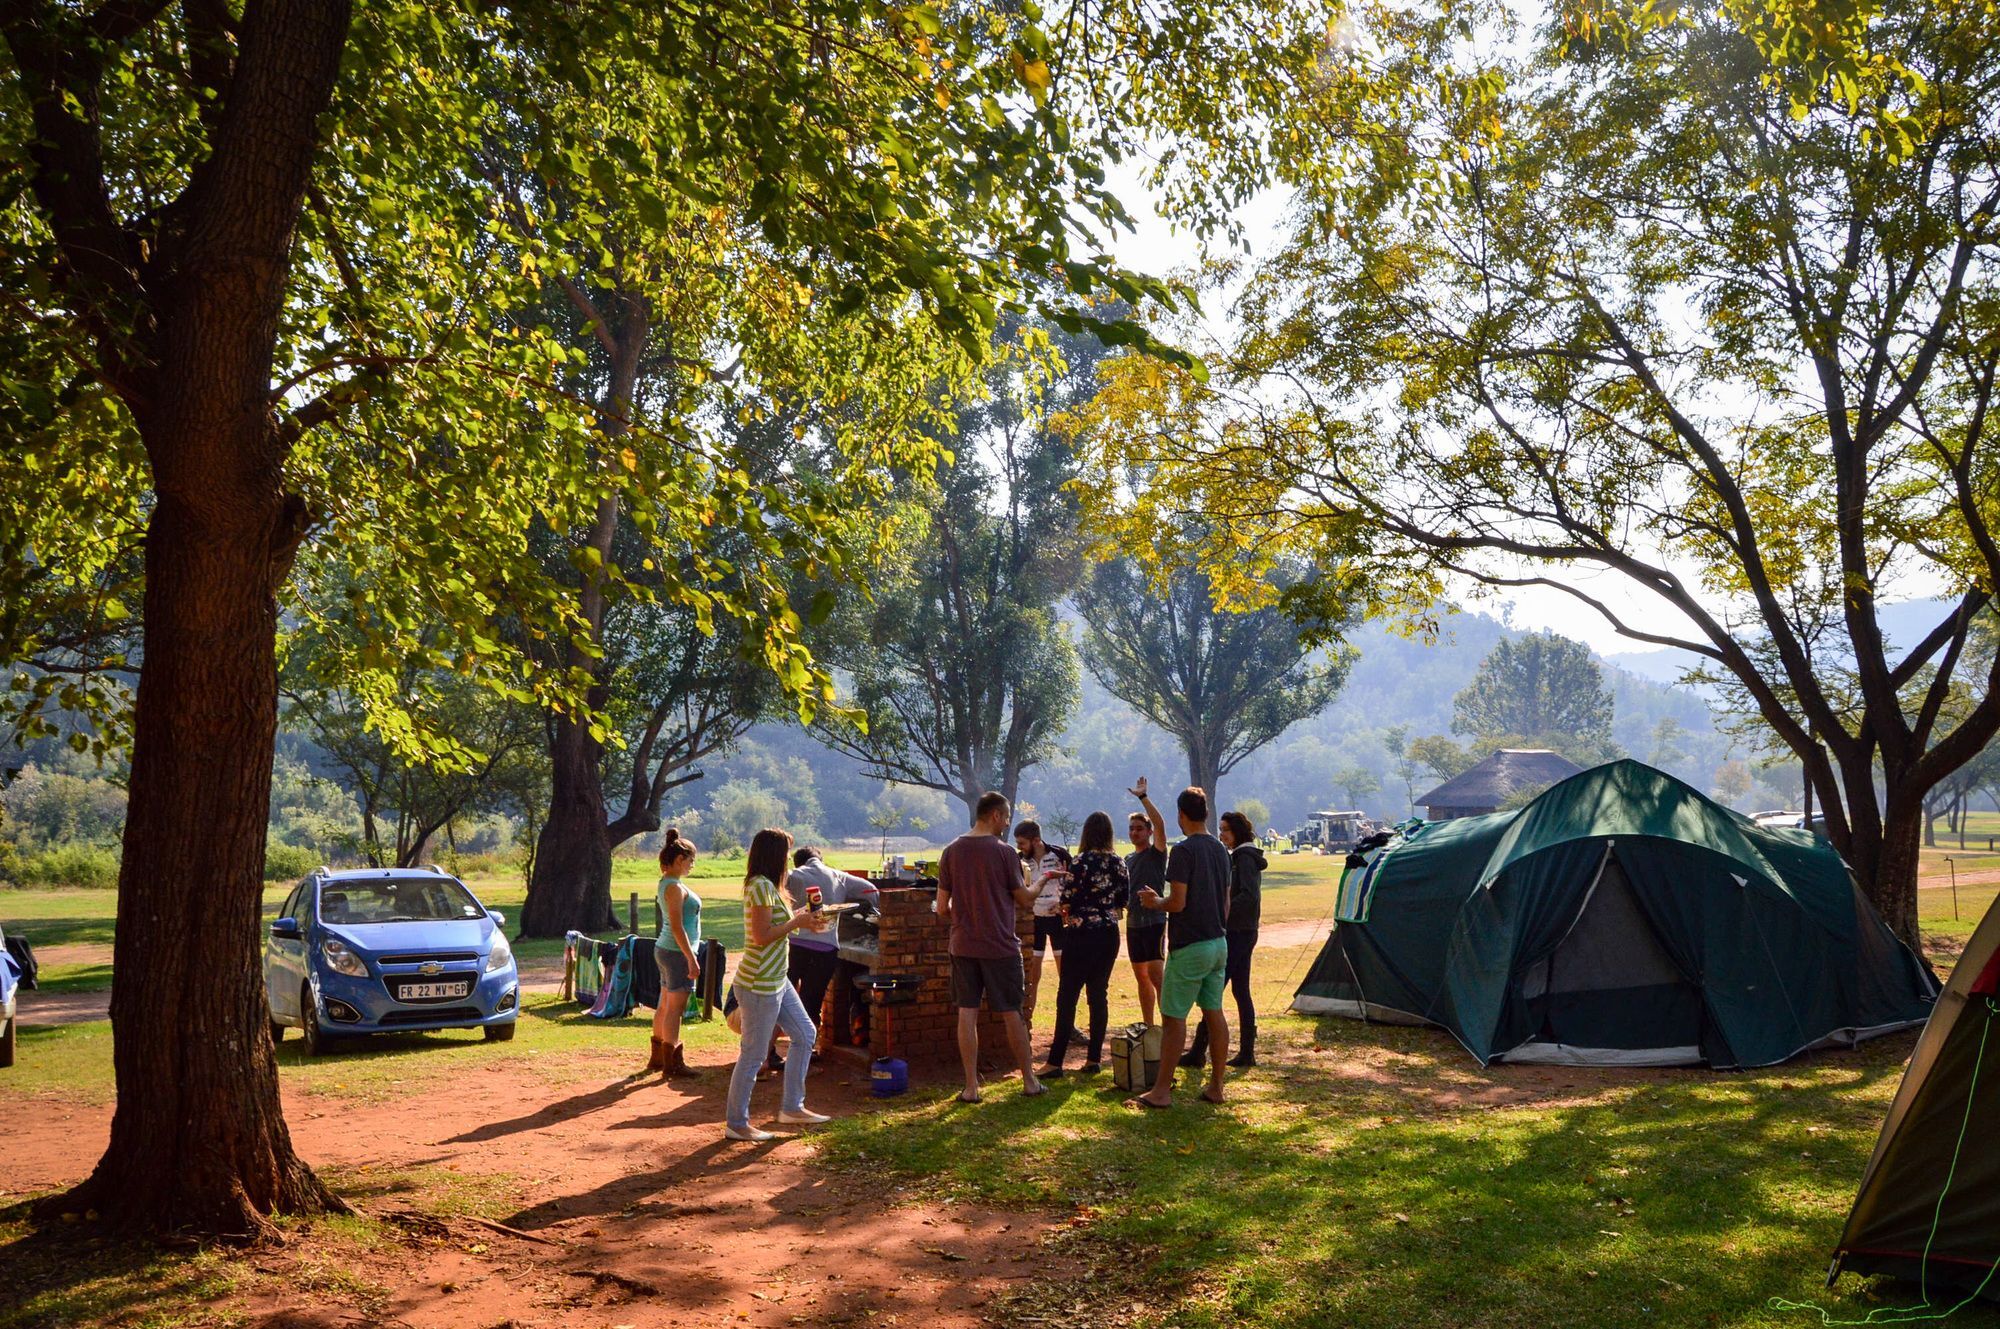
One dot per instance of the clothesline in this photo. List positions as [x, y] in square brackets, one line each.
[611, 977]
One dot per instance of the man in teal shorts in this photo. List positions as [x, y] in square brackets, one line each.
[1196, 904]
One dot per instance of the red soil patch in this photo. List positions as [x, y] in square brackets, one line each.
[47, 1009]
[636, 1212]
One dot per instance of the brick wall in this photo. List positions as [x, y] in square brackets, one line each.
[913, 941]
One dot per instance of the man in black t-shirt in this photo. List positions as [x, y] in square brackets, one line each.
[1146, 929]
[1196, 905]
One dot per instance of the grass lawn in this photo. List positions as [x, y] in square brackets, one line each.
[1371, 1176]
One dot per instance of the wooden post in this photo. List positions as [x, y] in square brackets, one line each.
[632, 914]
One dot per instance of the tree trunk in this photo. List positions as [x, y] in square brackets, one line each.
[198, 1139]
[1202, 774]
[1884, 855]
[198, 1142]
[571, 885]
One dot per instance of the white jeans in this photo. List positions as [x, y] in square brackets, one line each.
[764, 1013]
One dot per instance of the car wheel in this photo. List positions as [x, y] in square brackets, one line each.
[7, 1043]
[277, 1033]
[318, 1041]
[500, 1033]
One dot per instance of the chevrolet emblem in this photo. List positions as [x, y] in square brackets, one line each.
[430, 967]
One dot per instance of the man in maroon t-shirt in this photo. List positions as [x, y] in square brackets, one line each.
[980, 885]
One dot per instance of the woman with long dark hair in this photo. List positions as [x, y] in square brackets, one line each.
[674, 952]
[764, 997]
[1092, 901]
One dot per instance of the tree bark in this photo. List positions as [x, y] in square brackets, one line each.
[198, 1139]
[1884, 850]
[198, 1142]
[1204, 774]
[571, 885]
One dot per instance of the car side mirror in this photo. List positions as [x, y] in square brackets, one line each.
[286, 929]
[499, 919]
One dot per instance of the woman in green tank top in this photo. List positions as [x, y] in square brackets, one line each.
[680, 933]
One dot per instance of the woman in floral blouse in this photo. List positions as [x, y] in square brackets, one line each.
[1093, 897]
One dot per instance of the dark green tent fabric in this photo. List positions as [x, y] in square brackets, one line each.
[1928, 1208]
[1621, 917]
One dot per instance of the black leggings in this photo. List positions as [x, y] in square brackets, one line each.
[1241, 943]
[1089, 954]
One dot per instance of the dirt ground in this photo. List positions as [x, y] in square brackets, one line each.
[628, 1208]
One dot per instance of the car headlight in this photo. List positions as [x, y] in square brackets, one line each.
[500, 956]
[343, 960]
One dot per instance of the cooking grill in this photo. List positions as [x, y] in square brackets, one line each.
[857, 935]
[889, 991]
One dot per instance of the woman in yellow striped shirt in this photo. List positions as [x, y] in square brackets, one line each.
[764, 997]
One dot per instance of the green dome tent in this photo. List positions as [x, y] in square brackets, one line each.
[1929, 1204]
[1619, 919]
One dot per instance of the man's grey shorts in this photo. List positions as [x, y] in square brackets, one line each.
[1001, 982]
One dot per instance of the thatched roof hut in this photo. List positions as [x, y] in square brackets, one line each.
[1488, 785]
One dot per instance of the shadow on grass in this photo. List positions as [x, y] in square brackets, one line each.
[60, 1275]
[85, 929]
[75, 978]
[1403, 1185]
[365, 1048]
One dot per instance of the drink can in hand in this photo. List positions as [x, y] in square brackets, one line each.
[813, 899]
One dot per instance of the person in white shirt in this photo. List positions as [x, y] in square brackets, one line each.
[1047, 866]
[814, 954]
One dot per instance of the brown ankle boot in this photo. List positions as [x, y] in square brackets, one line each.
[658, 1062]
[677, 1062]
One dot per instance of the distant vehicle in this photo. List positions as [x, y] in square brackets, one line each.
[1791, 820]
[382, 950]
[1332, 832]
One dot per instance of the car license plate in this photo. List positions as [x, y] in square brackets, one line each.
[433, 991]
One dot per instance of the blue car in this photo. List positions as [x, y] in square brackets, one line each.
[383, 950]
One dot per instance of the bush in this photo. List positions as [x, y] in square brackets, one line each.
[288, 862]
[493, 864]
[71, 865]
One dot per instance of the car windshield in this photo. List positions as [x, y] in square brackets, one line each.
[408, 900]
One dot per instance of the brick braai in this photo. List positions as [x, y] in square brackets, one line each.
[912, 940]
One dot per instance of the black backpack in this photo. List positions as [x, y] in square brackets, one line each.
[24, 958]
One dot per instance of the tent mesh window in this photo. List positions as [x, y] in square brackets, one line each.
[1610, 983]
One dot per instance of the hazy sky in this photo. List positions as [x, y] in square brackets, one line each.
[1158, 249]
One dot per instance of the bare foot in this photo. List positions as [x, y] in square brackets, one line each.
[969, 1098]
[1033, 1087]
[1213, 1093]
[1148, 1101]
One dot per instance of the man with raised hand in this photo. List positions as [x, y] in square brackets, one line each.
[981, 885]
[1146, 929]
[1196, 905]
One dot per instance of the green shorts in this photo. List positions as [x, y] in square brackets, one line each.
[1194, 977]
